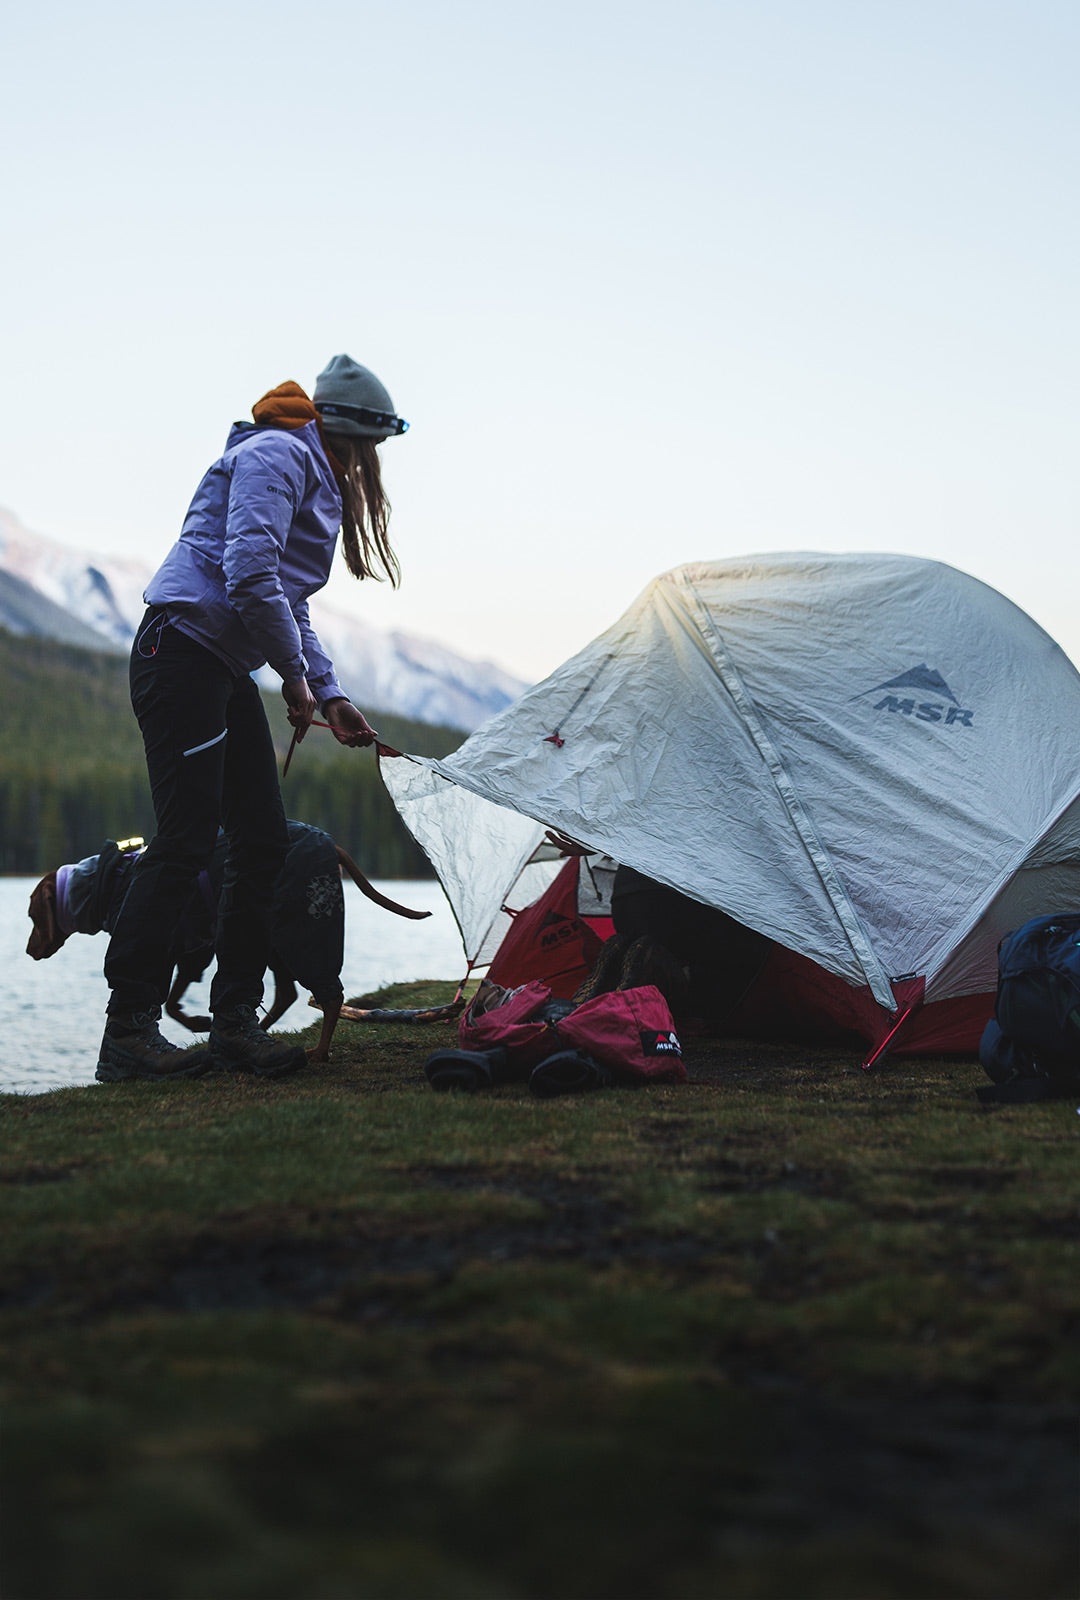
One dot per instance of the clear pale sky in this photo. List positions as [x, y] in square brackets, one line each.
[651, 283]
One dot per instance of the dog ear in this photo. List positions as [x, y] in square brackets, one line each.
[46, 938]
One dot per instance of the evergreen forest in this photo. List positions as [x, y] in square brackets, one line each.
[72, 773]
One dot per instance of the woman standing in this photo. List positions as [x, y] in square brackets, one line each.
[232, 595]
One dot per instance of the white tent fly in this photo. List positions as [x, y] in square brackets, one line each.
[872, 759]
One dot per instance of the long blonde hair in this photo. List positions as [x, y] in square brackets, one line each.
[365, 508]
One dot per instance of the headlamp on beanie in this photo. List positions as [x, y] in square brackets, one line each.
[378, 421]
[351, 400]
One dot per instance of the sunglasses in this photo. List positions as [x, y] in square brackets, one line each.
[384, 421]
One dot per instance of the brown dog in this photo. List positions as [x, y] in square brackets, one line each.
[307, 939]
[46, 939]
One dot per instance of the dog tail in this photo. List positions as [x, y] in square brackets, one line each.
[348, 865]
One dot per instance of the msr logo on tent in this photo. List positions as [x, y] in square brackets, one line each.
[557, 929]
[922, 679]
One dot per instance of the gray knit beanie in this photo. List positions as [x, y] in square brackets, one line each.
[350, 399]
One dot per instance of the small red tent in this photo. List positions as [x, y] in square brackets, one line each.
[551, 940]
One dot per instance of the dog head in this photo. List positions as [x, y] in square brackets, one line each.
[46, 938]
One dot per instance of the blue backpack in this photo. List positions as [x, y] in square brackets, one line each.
[1031, 1045]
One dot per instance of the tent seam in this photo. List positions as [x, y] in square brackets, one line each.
[848, 917]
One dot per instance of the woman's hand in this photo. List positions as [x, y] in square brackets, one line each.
[300, 705]
[349, 725]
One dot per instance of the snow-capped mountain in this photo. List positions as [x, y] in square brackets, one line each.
[52, 591]
[105, 596]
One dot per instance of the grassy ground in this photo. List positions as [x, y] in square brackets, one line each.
[790, 1330]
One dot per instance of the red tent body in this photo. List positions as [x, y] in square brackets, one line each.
[552, 942]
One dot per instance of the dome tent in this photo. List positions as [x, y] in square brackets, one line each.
[872, 759]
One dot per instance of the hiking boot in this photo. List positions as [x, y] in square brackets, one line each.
[604, 976]
[238, 1044]
[648, 962]
[133, 1047]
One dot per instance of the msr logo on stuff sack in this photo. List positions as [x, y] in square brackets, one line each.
[925, 681]
[665, 1043]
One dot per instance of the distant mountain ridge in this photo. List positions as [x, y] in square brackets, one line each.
[25, 610]
[48, 590]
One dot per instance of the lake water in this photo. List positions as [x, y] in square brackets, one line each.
[52, 1012]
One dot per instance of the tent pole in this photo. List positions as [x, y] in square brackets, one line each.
[890, 1036]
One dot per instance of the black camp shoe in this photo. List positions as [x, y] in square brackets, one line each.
[569, 1072]
[466, 1069]
[133, 1047]
[238, 1044]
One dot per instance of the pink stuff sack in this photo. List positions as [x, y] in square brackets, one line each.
[631, 1031]
[512, 1022]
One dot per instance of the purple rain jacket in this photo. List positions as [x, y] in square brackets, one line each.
[257, 541]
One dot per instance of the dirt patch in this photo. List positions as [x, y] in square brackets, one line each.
[983, 1180]
[339, 1266]
[557, 1193]
[765, 1064]
[675, 1134]
[41, 1172]
[752, 1177]
[365, 1277]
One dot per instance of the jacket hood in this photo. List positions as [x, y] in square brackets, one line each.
[286, 407]
[310, 433]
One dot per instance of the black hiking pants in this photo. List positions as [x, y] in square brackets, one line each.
[211, 763]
